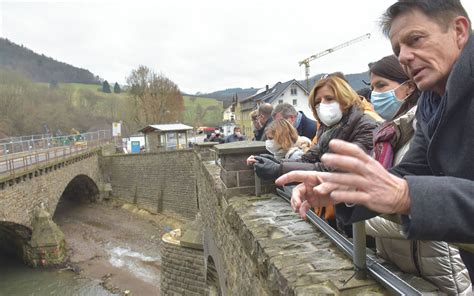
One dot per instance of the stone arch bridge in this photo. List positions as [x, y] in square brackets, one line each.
[29, 199]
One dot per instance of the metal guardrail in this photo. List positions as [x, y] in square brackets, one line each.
[32, 153]
[391, 281]
[25, 138]
[33, 143]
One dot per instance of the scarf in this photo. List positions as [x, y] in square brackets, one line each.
[431, 107]
[384, 139]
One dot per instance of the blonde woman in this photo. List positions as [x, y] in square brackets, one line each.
[340, 113]
[283, 142]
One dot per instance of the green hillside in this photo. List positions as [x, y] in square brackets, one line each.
[198, 111]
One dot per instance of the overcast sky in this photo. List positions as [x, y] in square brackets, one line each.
[203, 45]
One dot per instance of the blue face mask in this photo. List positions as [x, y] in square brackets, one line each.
[386, 104]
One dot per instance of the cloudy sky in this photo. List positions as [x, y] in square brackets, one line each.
[203, 45]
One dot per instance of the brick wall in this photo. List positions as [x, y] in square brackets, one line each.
[162, 182]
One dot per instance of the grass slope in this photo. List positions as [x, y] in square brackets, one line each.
[198, 111]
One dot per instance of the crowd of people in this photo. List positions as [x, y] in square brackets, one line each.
[401, 148]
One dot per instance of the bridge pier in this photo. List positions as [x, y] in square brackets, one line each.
[47, 246]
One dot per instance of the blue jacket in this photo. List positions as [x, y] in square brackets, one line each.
[307, 127]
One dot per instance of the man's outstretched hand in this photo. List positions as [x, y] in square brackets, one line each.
[365, 182]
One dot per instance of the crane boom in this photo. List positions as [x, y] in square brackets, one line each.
[306, 61]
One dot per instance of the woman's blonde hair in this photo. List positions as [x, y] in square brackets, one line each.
[283, 132]
[343, 94]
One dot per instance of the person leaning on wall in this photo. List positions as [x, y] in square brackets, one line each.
[305, 126]
[340, 112]
[395, 98]
[432, 188]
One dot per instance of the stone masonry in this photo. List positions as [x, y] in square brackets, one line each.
[42, 187]
[182, 269]
[237, 176]
[162, 182]
[28, 201]
[258, 246]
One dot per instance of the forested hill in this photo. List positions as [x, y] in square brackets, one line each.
[40, 68]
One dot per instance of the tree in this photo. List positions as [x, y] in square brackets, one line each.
[156, 98]
[106, 87]
[117, 88]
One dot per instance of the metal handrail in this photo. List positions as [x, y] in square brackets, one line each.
[11, 163]
[384, 276]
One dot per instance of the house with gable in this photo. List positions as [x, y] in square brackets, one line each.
[291, 92]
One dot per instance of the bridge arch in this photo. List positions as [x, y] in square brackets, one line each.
[13, 238]
[80, 187]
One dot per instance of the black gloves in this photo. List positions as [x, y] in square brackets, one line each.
[267, 169]
[269, 156]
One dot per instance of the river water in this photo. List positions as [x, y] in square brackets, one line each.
[113, 248]
[19, 279]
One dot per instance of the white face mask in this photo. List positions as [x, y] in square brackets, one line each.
[329, 114]
[272, 147]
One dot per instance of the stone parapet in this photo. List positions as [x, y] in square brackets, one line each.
[237, 176]
[259, 246]
[205, 150]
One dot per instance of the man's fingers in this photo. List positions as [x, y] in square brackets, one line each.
[344, 180]
[350, 197]
[325, 188]
[345, 163]
[298, 176]
[305, 206]
[348, 149]
[297, 197]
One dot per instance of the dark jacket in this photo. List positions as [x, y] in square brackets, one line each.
[440, 170]
[234, 138]
[307, 127]
[260, 134]
[355, 127]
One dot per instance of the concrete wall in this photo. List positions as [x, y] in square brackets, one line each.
[163, 182]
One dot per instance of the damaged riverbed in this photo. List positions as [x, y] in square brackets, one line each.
[113, 249]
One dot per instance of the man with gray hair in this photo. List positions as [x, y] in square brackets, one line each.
[432, 188]
[304, 126]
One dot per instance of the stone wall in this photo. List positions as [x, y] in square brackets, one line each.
[162, 182]
[43, 186]
[259, 246]
[182, 265]
[35, 237]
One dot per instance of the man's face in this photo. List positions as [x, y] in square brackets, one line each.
[426, 50]
[290, 118]
[262, 119]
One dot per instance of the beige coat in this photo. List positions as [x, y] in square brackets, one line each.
[437, 262]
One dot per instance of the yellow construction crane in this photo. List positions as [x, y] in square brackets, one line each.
[306, 61]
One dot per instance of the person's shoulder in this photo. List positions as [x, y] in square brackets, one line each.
[369, 120]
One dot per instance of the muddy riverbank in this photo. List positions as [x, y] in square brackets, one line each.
[115, 243]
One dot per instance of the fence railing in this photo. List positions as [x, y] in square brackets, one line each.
[22, 155]
[25, 138]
